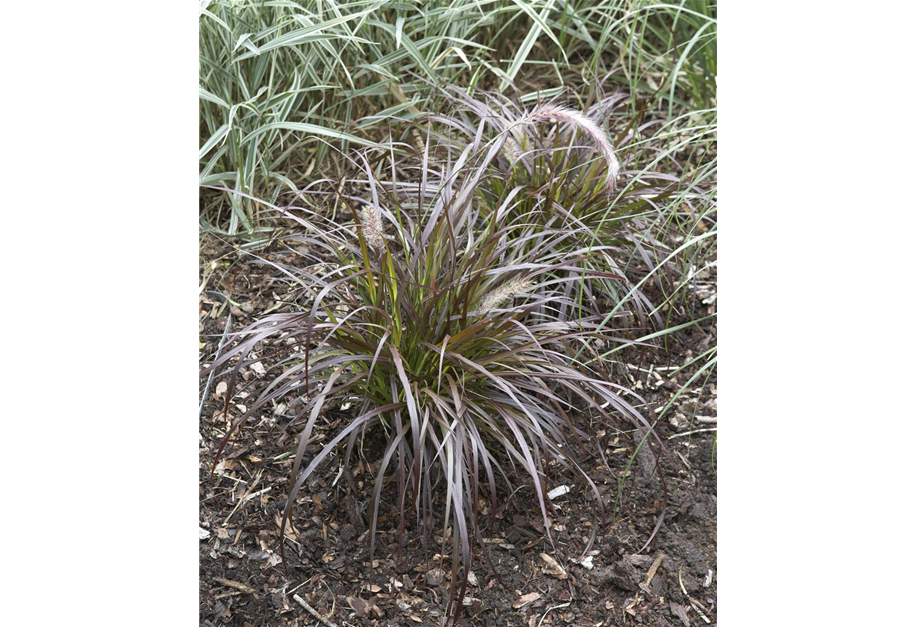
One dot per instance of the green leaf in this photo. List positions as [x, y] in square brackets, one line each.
[399, 29]
[214, 140]
[304, 35]
[527, 44]
[244, 41]
[538, 19]
[309, 128]
[206, 95]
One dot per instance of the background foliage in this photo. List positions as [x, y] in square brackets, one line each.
[277, 76]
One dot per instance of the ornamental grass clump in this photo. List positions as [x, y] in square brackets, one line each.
[558, 158]
[446, 319]
[566, 170]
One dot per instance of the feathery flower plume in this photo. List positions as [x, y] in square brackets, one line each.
[371, 222]
[502, 295]
[511, 150]
[590, 128]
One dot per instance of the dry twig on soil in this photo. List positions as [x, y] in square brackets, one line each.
[313, 611]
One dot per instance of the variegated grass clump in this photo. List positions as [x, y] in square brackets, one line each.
[461, 346]
[275, 76]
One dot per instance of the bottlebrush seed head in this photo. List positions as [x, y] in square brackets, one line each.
[500, 296]
[590, 128]
[511, 150]
[373, 232]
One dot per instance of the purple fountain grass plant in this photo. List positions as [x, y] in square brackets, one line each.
[551, 169]
[459, 337]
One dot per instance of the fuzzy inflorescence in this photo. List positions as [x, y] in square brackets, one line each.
[590, 128]
[502, 295]
[373, 231]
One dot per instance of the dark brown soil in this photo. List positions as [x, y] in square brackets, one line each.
[242, 581]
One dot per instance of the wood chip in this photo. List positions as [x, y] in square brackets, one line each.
[652, 571]
[360, 606]
[553, 568]
[525, 599]
[680, 612]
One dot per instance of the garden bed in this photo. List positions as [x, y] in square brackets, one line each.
[243, 581]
